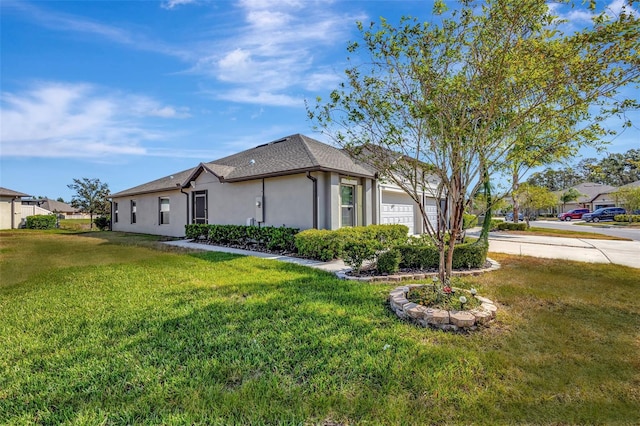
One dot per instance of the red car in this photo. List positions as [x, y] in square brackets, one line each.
[573, 214]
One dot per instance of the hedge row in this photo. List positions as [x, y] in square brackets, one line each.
[627, 218]
[509, 226]
[471, 255]
[41, 221]
[269, 237]
[349, 243]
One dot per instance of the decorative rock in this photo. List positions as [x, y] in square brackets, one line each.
[395, 278]
[484, 300]
[491, 308]
[398, 302]
[407, 306]
[462, 318]
[417, 312]
[436, 316]
[482, 317]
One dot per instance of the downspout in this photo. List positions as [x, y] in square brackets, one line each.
[187, 203]
[315, 199]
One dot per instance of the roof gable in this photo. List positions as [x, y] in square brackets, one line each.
[5, 192]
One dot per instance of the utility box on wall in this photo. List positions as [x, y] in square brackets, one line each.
[260, 209]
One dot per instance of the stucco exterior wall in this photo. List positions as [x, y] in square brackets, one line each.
[287, 200]
[10, 212]
[148, 214]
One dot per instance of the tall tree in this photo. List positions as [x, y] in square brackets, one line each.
[90, 197]
[533, 198]
[629, 198]
[452, 97]
[568, 196]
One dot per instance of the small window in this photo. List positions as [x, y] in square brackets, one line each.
[115, 212]
[164, 211]
[133, 211]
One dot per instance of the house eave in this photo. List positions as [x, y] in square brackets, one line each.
[295, 172]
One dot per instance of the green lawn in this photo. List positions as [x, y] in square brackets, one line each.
[107, 329]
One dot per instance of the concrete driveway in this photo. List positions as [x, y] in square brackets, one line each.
[584, 250]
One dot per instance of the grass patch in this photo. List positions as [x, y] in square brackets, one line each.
[107, 329]
[548, 232]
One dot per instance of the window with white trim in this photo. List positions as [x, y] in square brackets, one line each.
[164, 206]
[133, 211]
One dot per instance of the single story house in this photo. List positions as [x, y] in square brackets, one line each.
[58, 207]
[295, 181]
[594, 196]
[10, 208]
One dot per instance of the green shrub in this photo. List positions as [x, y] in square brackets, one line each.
[508, 226]
[270, 237]
[281, 238]
[196, 230]
[494, 224]
[359, 249]
[418, 256]
[469, 256]
[472, 255]
[469, 221]
[319, 244]
[103, 222]
[627, 218]
[41, 221]
[389, 261]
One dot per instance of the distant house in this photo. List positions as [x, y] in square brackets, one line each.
[57, 207]
[10, 208]
[594, 196]
[295, 181]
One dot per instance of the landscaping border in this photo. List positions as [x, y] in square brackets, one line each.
[446, 320]
[415, 276]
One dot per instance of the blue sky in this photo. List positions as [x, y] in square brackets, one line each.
[131, 91]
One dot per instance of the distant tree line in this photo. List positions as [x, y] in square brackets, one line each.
[614, 169]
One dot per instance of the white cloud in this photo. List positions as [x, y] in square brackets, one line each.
[249, 96]
[79, 120]
[271, 59]
[170, 4]
[72, 23]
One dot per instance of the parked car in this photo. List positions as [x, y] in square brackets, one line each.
[573, 214]
[509, 217]
[605, 213]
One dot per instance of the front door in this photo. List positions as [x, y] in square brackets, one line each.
[347, 205]
[199, 207]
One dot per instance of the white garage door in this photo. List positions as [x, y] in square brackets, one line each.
[397, 208]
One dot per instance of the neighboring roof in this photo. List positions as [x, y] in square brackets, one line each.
[166, 183]
[4, 192]
[292, 154]
[589, 191]
[57, 206]
[635, 184]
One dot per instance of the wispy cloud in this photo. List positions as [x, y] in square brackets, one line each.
[271, 58]
[171, 4]
[79, 121]
[72, 23]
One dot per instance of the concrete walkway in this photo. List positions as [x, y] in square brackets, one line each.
[583, 250]
[333, 266]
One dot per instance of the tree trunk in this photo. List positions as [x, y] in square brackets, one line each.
[514, 197]
[486, 224]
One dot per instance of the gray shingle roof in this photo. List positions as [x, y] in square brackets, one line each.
[292, 154]
[590, 191]
[5, 192]
[163, 184]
